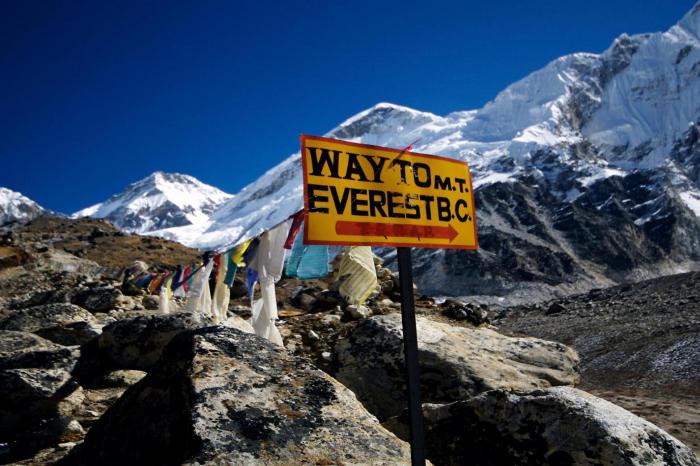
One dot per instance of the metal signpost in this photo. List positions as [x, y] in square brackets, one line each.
[363, 195]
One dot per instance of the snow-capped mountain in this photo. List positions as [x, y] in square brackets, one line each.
[16, 207]
[158, 203]
[587, 173]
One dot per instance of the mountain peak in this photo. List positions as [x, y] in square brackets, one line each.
[382, 120]
[691, 22]
[159, 201]
[160, 177]
[15, 206]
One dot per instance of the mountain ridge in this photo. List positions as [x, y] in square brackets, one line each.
[586, 172]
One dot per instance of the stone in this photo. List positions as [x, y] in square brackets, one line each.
[71, 399]
[557, 426]
[464, 311]
[221, 396]
[73, 432]
[305, 301]
[326, 300]
[12, 257]
[137, 343]
[48, 315]
[33, 439]
[126, 303]
[151, 302]
[25, 350]
[19, 386]
[137, 267]
[76, 333]
[99, 299]
[331, 320]
[244, 312]
[63, 323]
[455, 363]
[36, 389]
[357, 312]
[121, 378]
[555, 308]
[238, 323]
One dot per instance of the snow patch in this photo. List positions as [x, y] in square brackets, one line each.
[692, 200]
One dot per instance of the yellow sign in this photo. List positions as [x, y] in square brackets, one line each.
[358, 194]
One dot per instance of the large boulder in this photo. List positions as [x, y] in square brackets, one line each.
[455, 363]
[556, 426]
[138, 342]
[34, 375]
[221, 396]
[37, 392]
[25, 350]
[98, 299]
[62, 323]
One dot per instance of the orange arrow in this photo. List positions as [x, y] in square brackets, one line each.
[344, 227]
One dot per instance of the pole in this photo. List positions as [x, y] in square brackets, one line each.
[410, 349]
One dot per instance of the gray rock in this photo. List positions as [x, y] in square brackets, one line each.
[555, 308]
[151, 302]
[36, 391]
[62, 323]
[304, 300]
[100, 299]
[326, 300]
[126, 303]
[455, 363]
[48, 315]
[25, 350]
[331, 320]
[121, 378]
[20, 385]
[33, 434]
[220, 396]
[76, 333]
[386, 302]
[464, 311]
[560, 425]
[238, 323]
[358, 311]
[137, 343]
[73, 432]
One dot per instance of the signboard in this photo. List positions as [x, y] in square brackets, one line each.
[358, 194]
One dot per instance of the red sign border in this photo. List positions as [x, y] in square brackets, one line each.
[305, 137]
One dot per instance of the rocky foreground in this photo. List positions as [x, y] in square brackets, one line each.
[91, 373]
[639, 346]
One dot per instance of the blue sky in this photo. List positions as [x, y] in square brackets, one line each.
[97, 94]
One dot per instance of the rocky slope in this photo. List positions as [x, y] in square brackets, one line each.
[88, 366]
[638, 343]
[15, 207]
[97, 240]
